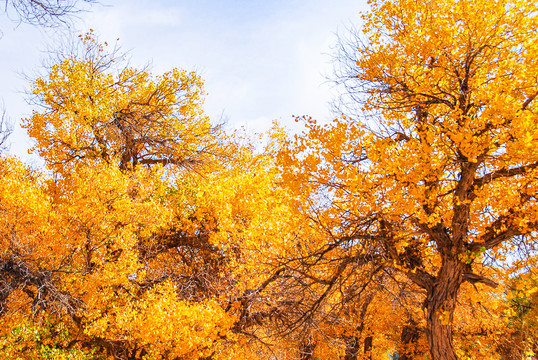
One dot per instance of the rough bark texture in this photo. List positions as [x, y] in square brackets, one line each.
[440, 305]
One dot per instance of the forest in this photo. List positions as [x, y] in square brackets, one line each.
[406, 228]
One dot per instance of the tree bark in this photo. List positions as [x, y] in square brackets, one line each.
[368, 344]
[352, 348]
[352, 342]
[440, 305]
[409, 337]
[306, 349]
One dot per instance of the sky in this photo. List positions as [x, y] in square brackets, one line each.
[260, 60]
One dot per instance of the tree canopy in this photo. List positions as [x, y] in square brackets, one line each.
[405, 228]
[438, 183]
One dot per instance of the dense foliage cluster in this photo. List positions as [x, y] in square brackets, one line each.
[408, 230]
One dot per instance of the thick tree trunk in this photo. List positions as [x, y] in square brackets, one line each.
[440, 304]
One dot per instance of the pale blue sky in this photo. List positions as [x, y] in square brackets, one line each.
[261, 60]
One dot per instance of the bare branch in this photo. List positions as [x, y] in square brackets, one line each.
[47, 13]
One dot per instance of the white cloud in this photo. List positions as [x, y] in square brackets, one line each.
[261, 60]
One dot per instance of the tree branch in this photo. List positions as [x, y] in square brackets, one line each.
[503, 173]
[474, 278]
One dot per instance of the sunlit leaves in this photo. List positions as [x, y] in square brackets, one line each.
[97, 108]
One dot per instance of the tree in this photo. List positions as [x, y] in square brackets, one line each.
[93, 108]
[48, 13]
[439, 182]
[521, 300]
[5, 130]
[147, 235]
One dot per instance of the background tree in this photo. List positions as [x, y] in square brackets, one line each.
[94, 108]
[150, 236]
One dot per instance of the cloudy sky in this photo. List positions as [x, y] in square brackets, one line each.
[261, 60]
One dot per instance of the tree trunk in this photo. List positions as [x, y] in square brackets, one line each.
[352, 348]
[306, 349]
[409, 337]
[440, 304]
[352, 342]
[368, 344]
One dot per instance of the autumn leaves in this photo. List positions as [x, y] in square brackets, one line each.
[153, 234]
